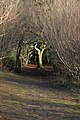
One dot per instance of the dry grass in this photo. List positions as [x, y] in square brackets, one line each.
[23, 98]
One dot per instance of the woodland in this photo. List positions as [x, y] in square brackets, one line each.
[40, 59]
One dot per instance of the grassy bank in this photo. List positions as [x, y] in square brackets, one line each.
[25, 98]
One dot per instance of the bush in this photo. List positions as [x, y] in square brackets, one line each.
[9, 63]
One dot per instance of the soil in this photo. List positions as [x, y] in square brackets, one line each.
[32, 70]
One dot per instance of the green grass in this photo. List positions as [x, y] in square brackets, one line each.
[25, 98]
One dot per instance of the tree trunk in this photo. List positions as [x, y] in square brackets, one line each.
[39, 57]
[2, 54]
[18, 61]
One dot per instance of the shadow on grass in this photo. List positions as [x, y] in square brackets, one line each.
[32, 109]
[43, 82]
[26, 107]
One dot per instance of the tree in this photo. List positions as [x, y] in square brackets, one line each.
[9, 11]
[58, 23]
[40, 53]
[55, 21]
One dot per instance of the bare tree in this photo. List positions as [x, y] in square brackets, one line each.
[9, 11]
[55, 21]
[59, 24]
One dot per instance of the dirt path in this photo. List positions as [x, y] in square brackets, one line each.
[30, 98]
[32, 70]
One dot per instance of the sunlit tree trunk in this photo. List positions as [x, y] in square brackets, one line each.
[40, 53]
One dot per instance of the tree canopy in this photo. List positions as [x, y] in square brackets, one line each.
[55, 22]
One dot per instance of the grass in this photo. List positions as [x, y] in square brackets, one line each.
[26, 98]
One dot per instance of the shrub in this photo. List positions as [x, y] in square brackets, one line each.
[9, 63]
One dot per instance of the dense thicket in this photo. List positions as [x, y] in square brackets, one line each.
[55, 21]
[59, 24]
